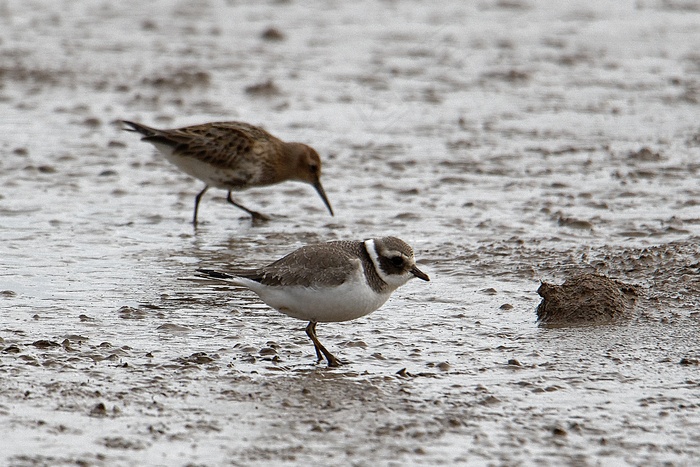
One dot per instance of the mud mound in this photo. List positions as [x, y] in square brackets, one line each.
[585, 299]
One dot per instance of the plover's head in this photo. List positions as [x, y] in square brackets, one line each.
[393, 259]
[307, 168]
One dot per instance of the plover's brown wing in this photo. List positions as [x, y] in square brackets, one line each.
[321, 265]
[248, 273]
[326, 270]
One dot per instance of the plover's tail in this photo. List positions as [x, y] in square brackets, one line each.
[215, 274]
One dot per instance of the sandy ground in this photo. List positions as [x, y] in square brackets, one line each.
[510, 142]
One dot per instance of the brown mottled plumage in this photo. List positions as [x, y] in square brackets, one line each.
[235, 156]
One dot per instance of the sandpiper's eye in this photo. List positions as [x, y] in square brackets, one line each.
[313, 168]
[397, 261]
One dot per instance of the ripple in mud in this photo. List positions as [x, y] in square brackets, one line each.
[178, 80]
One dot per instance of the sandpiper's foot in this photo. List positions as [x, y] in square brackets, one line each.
[258, 217]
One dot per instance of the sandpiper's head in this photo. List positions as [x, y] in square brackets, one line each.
[308, 169]
[394, 261]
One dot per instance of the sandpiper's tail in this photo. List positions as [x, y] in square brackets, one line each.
[139, 128]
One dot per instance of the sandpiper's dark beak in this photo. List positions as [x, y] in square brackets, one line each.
[419, 274]
[322, 193]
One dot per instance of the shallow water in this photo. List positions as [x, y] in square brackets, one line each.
[503, 140]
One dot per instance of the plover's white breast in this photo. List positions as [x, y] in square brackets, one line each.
[318, 303]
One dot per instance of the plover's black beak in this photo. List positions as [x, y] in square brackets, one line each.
[419, 274]
[322, 193]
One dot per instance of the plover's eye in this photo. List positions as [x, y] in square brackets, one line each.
[397, 261]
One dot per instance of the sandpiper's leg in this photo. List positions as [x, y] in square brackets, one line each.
[256, 215]
[311, 332]
[197, 199]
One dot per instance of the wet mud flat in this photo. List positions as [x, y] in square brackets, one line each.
[511, 143]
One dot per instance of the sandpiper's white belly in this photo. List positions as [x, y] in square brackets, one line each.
[213, 176]
[345, 302]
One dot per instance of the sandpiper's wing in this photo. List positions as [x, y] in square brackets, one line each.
[220, 144]
[322, 265]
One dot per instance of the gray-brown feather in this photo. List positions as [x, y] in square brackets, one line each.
[326, 264]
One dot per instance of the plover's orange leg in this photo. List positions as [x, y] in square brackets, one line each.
[312, 325]
[311, 332]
